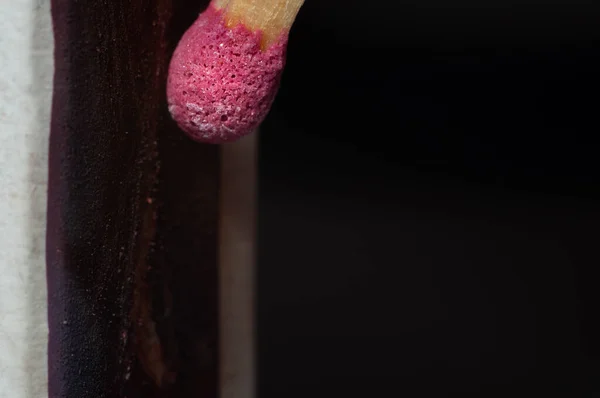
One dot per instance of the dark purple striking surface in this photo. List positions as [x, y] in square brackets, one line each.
[131, 237]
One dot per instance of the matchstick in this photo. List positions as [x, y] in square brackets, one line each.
[223, 78]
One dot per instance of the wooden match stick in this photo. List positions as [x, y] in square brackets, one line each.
[273, 18]
[226, 69]
[237, 250]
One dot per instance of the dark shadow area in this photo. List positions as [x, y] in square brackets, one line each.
[429, 203]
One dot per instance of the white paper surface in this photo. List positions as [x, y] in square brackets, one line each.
[26, 69]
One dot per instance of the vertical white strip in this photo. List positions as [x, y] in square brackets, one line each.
[26, 69]
[237, 259]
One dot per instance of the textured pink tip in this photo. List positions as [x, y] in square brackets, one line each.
[221, 83]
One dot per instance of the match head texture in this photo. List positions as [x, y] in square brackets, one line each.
[221, 81]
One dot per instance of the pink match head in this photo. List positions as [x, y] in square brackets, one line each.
[221, 83]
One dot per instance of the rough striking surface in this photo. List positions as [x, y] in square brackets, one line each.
[221, 83]
[131, 244]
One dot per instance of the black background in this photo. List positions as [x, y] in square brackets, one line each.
[429, 202]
